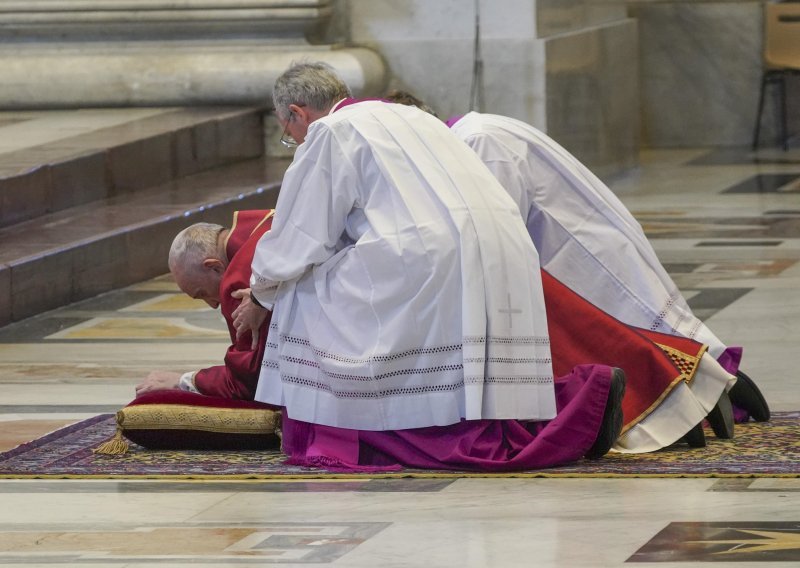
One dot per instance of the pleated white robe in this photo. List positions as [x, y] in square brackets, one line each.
[583, 233]
[589, 241]
[400, 273]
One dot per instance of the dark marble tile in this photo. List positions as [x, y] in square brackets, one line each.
[750, 228]
[745, 155]
[708, 301]
[767, 183]
[37, 327]
[732, 268]
[758, 541]
[681, 267]
[741, 243]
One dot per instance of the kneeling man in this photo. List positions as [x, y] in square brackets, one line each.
[209, 263]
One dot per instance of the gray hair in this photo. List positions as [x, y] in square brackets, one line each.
[405, 98]
[193, 245]
[315, 85]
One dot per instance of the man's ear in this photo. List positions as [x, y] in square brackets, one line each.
[301, 113]
[214, 264]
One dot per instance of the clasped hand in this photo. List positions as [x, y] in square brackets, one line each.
[248, 316]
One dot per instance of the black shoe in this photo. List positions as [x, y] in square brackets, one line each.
[721, 418]
[611, 426]
[695, 437]
[745, 394]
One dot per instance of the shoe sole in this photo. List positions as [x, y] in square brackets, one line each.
[721, 418]
[745, 394]
[606, 438]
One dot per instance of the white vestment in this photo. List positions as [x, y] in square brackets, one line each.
[400, 274]
[588, 240]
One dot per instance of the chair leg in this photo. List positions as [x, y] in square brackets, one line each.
[784, 126]
[760, 110]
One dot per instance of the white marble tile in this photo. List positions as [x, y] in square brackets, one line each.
[472, 522]
[67, 394]
[72, 417]
[28, 507]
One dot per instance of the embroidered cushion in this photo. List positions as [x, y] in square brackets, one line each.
[179, 420]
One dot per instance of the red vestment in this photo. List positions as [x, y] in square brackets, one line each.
[238, 377]
[654, 363]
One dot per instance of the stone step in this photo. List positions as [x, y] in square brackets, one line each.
[81, 251]
[53, 160]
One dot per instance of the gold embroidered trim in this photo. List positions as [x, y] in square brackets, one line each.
[231, 230]
[687, 366]
[264, 220]
[207, 419]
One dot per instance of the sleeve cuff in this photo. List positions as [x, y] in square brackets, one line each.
[187, 382]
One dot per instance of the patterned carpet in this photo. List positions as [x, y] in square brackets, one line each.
[759, 450]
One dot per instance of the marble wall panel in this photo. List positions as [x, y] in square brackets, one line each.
[393, 20]
[512, 76]
[700, 72]
[428, 46]
[563, 16]
[593, 95]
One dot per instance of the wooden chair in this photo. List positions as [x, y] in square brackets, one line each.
[781, 58]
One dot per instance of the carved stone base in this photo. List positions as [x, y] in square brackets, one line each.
[154, 74]
[94, 53]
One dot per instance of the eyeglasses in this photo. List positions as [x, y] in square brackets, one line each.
[286, 138]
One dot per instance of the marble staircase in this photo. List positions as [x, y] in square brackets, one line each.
[91, 199]
[127, 120]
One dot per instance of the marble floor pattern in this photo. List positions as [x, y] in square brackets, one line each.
[725, 222]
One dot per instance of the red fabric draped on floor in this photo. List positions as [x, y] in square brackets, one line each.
[581, 333]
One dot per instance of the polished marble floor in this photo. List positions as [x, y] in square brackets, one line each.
[725, 223]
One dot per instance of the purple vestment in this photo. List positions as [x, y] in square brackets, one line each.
[474, 445]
